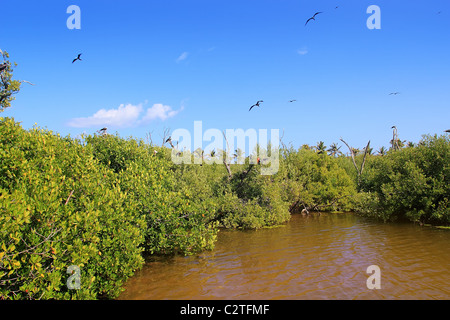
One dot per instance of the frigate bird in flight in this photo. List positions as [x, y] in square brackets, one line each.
[312, 18]
[256, 104]
[394, 93]
[292, 100]
[77, 58]
[447, 130]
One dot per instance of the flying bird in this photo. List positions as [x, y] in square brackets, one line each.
[256, 104]
[292, 100]
[312, 18]
[447, 130]
[394, 93]
[77, 58]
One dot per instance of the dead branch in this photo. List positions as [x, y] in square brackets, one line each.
[227, 165]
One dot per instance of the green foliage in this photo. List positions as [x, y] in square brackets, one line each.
[176, 219]
[8, 86]
[411, 183]
[315, 181]
[59, 207]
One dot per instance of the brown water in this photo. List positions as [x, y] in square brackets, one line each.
[321, 257]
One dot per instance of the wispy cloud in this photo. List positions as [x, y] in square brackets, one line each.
[302, 51]
[182, 57]
[125, 116]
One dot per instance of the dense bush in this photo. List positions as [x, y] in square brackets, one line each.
[176, 218]
[59, 207]
[315, 181]
[411, 183]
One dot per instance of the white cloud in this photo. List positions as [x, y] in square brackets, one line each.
[125, 116]
[160, 111]
[182, 57]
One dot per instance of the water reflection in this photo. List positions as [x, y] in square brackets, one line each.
[320, 257]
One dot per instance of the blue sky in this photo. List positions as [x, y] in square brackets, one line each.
[154, 65]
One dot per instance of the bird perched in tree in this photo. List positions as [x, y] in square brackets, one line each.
[169, 140]
[312, 18]
[77, 58]
[256, 104]
[3, 66]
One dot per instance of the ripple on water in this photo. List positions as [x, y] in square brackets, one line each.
[323, 257]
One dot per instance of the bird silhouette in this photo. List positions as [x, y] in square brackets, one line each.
[394, 93]
[3, 66]
[256, 104]
[447, 130]
[77, 58]
[312, 18]
[292, 100]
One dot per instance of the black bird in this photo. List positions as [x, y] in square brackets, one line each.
[103, 130]
[447, 130]
[256, 104]
[3, 66]
[77, 58]
[394, 93]
[292, 100]
[312, 18]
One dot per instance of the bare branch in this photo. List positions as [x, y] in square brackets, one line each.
[227, 165]
[352, 153]
[70, 195]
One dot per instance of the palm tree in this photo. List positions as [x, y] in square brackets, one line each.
[321, 148]
[369, 150]
[334, 150]
[382, 151]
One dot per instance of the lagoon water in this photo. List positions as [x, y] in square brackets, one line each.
[310, 258]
